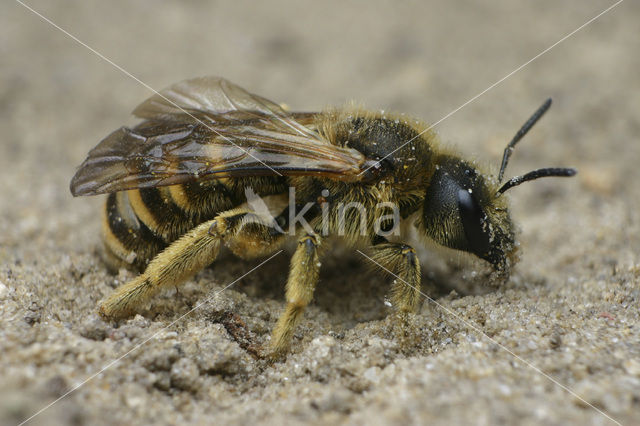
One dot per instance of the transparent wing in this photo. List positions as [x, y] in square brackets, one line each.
[167, 153]
[210, 127]
[217, 100]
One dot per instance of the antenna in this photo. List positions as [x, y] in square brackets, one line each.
[523, 131]
[535, 174]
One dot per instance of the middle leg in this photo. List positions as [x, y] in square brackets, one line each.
[303, 276]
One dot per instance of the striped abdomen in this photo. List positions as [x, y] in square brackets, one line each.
[139, 223]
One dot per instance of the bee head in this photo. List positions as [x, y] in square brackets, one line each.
[464, 210]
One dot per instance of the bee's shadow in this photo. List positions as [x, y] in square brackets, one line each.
[350, 289]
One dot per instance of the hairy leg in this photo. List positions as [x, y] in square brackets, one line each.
[402, 261]
[188, 255]
[303, 276]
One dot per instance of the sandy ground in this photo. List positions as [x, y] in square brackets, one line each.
[570, 309]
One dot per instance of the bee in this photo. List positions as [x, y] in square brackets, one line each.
[181, 183]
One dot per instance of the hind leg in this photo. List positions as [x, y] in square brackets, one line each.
[189, 254]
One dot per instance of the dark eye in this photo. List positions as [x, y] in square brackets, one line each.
[474, 223]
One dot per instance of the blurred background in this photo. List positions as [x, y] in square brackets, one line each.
[424, 58]
[58, 99]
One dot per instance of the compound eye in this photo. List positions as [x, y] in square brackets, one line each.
[474, 222]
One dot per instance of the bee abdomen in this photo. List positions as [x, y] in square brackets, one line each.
[128, 241]
[140, 223]
[154, 208]
[205, 199]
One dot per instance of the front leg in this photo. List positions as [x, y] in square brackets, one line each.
[401, 260]
[303, 276]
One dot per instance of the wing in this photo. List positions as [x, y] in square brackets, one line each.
[217, 100]
[209, 127]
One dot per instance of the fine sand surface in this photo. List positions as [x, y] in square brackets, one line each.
[558, 343]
